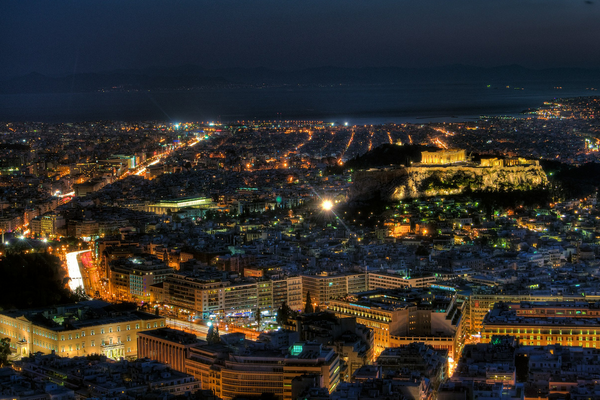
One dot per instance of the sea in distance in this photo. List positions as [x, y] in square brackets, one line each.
[356, 105]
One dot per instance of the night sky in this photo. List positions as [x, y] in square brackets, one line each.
[61, 37]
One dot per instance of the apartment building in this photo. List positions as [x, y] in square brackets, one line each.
[216, 295]
[131, 278]
[325, 286]
[385, 280]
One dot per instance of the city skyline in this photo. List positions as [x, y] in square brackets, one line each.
[316, 200]
[301, 259]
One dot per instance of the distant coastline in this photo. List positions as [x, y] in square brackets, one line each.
[357, 105]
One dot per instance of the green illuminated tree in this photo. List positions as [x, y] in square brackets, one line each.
[212, 337]
[308, 307]
[283, 313]
[258, 317]
[522, 367]
[4, 351]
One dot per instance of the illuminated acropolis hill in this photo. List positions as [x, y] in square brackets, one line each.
[448, 172]
[442, 157]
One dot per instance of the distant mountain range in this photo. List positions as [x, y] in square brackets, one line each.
[190, 77]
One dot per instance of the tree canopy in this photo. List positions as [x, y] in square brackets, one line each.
[284, 313]
[212, 337]
[308, 307]
[4, 351]
[33, 280]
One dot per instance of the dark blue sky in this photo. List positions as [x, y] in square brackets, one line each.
[60, 36]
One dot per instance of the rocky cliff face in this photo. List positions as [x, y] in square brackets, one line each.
[402, 183]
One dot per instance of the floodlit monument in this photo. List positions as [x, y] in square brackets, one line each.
[449, 156]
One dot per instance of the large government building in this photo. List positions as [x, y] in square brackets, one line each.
[89, 327]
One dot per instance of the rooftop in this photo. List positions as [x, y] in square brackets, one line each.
[80, 315]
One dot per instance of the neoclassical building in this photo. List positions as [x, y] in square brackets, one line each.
[79, 329]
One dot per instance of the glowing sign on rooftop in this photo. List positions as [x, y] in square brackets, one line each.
[296, 349]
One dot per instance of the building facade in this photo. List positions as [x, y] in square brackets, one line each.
[254, 372]
[568, 323]
[479, 304]
[165, 345]
[77, 330]
[399, 318]
[324, 287]
[384, 280]
[219, 296]
[131, 278]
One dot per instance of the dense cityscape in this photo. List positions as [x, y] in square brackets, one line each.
[291, 259]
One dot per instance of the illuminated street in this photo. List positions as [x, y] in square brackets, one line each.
[74, 271]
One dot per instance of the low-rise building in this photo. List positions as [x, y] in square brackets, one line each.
[417, 360]
[490, 363]
[99, 377]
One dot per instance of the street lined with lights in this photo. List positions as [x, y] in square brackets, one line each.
[73, 269]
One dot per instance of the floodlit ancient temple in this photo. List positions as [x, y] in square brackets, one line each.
[450, 156]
